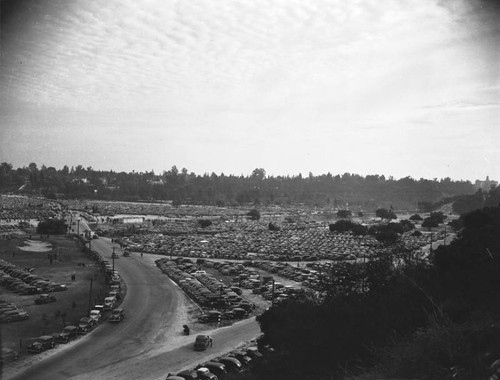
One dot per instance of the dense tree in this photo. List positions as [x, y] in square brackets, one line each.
[430, 223]
[51, 227]
[416, 217]
[258, 188]
[253, 214]
[344, 214]
[385, 214]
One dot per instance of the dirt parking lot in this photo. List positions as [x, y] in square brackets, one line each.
[68, 258]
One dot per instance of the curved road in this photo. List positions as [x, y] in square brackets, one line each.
[147, 344]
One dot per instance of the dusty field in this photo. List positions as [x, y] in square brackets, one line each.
[70, 306]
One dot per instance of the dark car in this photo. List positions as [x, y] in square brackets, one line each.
[205, 374]
[85, 325]
[202, 342]
[8, 355]
[188, 375]
[242, 357]
[43, 343]
[211, 316]
[68, 333]
[232, 364]
[58, 287]
[117, 315]
[239, 313]
[30, 290]
[218, 369]
[254, 353]
[45, 298]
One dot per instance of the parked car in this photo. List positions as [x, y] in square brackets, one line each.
[85, 325]
[210, 316]
[14, 316]
[201, 343]
[232, 364]
[68, 333]
[8, 355]
[188, 374]
[117, 315]
[96, 315]
[45, 298]
[42, 343]
[218, 369]
[242, 357]
[109, 302]
[205, 374]
[254, 353]
[58, 287]
[28, 290]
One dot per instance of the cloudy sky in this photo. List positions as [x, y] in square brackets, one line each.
[393, 87]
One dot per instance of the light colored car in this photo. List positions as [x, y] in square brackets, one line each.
[109, 302]
[95, 315]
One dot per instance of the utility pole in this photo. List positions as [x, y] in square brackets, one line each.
[90, 295]
[171, 246]
[113, 257]
[272, 295]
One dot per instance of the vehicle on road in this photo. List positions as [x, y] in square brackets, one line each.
[8, 355]
[41, 344]
[68, 333]
[202, 342]
[45, 298]
[117, 315]
[126, 253]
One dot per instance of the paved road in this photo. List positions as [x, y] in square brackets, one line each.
[147, 343]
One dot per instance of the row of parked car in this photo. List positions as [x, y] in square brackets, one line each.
[9, 312]
[24, 282]
[206, 290]
[87, 323]
[236, 361]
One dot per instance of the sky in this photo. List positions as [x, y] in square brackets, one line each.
[393, 87]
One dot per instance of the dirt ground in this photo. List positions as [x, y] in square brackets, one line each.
[70, 306]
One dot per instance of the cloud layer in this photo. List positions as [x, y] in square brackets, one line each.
[216, 72]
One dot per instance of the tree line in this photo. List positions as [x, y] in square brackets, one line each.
[183, 187]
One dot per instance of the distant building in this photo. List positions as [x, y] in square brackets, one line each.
[129, 219]
[485, 185]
